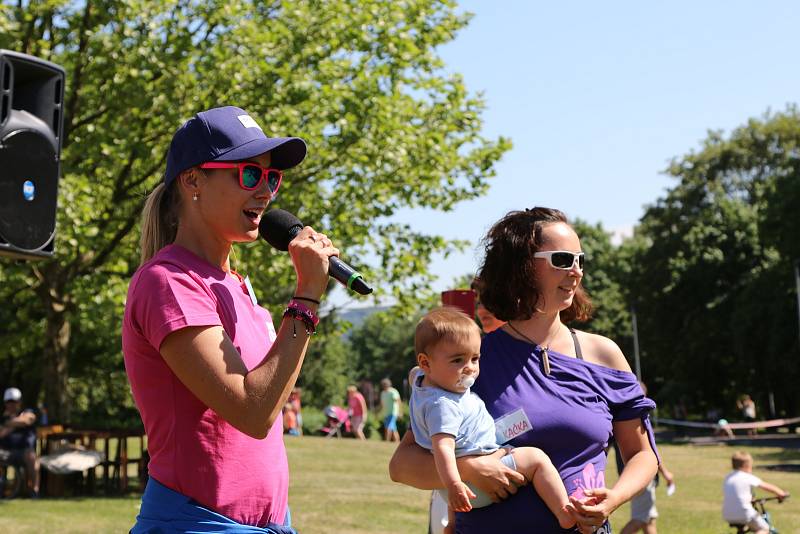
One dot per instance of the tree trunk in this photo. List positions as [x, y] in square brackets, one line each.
[56, 350]
[55, 372]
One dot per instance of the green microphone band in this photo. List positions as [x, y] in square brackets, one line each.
[352, 279]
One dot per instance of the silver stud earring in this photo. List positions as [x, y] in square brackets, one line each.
[195, 197]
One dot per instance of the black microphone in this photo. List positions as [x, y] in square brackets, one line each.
[278, 227]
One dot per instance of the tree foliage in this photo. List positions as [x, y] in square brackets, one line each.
[328, 369]
[708, 271]
[361, 81]
[602, 280]
[713, 281]
[383, 346]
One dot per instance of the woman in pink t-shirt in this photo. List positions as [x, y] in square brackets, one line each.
[358, 409]
[208, 371]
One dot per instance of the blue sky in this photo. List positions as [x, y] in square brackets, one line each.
[598, 97]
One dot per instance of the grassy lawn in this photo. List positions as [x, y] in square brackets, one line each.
[343, 486]
[699, 471]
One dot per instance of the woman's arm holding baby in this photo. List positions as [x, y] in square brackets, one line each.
[414, 466]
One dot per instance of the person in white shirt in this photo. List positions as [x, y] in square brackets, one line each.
[737, 507]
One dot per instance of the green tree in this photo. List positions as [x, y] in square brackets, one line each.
[361, 81]
[383, 346]
[713, 282]
[602, 281]
[327, 370]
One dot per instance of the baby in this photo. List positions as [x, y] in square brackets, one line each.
[451, 421]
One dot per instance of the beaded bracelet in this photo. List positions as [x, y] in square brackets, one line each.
[297, 310]
[305, 310]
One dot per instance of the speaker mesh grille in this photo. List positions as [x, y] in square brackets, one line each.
[28, 190]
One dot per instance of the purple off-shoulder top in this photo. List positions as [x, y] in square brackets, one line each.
[570, 410]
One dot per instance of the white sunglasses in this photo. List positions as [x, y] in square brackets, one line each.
[562, 259]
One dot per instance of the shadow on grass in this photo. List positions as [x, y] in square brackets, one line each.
[86, 498]
[783, 455]
[786, 468]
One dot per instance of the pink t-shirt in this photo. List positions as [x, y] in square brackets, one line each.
[355, 404]
[192, 449]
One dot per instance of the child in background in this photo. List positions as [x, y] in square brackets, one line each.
[451, 421]
[357, 410]
[737, 507]
[747, 406]
[290, 420]
[294, 400]
[390, 410]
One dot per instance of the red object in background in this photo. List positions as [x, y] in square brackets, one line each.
[463, 299]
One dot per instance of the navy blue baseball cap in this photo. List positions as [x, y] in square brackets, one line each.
[227, 134]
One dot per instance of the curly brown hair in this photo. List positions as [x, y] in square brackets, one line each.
[507, 278]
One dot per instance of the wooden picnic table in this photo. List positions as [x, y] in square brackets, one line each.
[115, 464]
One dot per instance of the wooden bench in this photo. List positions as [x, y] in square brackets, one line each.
[114, 466]
[118, 464]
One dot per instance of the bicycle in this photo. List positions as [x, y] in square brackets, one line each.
[759, 505]
[11, 487]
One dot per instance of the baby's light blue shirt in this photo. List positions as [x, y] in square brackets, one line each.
[462, 415]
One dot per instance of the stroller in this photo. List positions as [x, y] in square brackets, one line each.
[338, 422]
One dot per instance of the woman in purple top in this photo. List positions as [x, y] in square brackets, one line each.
[547, 386]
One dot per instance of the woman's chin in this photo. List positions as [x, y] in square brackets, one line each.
[247, 236]
[565, 303]
[566, 297]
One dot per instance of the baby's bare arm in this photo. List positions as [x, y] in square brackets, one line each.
[458, 494]
[443, 448]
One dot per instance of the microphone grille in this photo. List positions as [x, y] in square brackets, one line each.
[278, 227]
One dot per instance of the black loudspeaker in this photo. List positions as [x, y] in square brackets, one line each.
[31, 119]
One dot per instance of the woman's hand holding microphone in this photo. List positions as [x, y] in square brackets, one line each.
[310, 251]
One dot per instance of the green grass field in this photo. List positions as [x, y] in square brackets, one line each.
[343, 486]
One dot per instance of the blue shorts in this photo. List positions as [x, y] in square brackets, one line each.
[164, 510]
[390, 423]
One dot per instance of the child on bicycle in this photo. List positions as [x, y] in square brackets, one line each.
[451, 421]
[737, 506]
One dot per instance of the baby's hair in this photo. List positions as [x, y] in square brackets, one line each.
[741, 459]
[443, 324]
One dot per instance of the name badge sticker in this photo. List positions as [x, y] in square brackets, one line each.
[250, 291]
[248, 122]
[271, 330]
[512, 425]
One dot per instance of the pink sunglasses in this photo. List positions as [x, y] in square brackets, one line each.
[250, 174]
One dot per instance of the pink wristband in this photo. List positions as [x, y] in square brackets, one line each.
[304, 310]
[297, 310]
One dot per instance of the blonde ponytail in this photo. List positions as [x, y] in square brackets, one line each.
[159, 221]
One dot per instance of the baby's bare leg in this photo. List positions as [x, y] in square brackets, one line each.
[537, 467]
